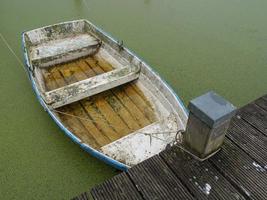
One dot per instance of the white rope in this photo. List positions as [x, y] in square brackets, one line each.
[86, 5]
[102, 119]
[78, 117]
[11, 50]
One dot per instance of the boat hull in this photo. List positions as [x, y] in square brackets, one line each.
[96, 153]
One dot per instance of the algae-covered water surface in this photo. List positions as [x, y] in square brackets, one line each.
[195, 45]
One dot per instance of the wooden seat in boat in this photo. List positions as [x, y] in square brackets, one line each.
[91, 86]
[69, 48]
[64, 49]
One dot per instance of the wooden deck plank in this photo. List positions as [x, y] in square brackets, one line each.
[119, 108]
[119, 188]
[113, 118]
[138, 114]
[119, 93]
[77, 126]
[57, 77]
[94, 59]
[242, 171]
[101, 123]
[249, 139]
[262, 102]
[264, 97]
[201, 178]
[155, 180]
[49, 80]
[147, 111]
[106, 66]
[140, 93]
[133, 87]
[93, 64]
[83, 196]
[90, 125]
[68, 71]
[84, 66]
[81, 127]
[90, 104]
[135, 94]
[109, 113]
[255, 116]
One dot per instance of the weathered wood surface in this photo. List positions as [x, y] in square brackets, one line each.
[244, 173]
[238, 171]
[250, 140]
[155, 180]
[201, 178]
[101, 118]
[119, 187]
[91, 86]
[256, 115]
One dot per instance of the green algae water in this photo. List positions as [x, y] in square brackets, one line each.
[196, 46]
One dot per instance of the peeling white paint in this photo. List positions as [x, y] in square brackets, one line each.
[141, 145]
[91, 86]
[61, 46]
[244, 189]
[206, 189]
[258, 167]
[246, 167]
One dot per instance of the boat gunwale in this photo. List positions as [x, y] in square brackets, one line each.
[86, 147]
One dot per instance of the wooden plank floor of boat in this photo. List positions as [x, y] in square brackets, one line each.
[105, 117]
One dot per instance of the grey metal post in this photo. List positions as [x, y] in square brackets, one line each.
[209, 119]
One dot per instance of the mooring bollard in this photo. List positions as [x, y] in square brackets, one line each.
[209, 119]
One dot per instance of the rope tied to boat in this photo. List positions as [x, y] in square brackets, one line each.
[176, 140]
[12, 51]
[120, 44]
[150, 134]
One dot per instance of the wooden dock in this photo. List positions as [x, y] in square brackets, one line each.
[238, 171]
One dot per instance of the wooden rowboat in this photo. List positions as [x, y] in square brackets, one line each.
[100, 94]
